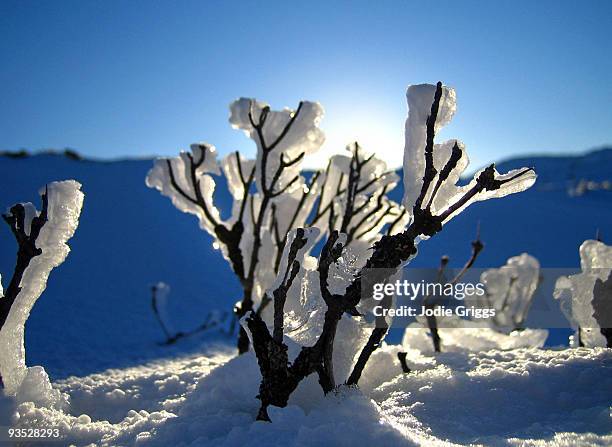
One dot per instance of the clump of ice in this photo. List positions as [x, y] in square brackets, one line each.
[509, 290]
[36, 387]
[65, 201]
[575, 292]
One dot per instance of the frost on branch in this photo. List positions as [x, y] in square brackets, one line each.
[283, 138]
[431, 171]
[186, 180]
[354, 197]
[301, 284]
[586, 298]
[509, 290]
[272, 196]
[338, 298]
[41, 238]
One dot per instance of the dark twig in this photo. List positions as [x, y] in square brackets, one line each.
[402, 359]
[209, 323]
[268, 193]
[26, 249]
[602, 307]
[430, 170]
[477, 247]
[432, 322]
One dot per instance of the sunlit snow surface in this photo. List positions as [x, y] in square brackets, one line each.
[520, 397]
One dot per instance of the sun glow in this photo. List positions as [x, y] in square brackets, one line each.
[384, 137]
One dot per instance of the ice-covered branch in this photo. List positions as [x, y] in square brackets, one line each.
[430, 108]
[586, 298]
[283, 139]
[510, 290]
[279, 379]
[187, 180]
[41, 239]
[353, 197]
[351, 202]
[159, 297]
[602, 307]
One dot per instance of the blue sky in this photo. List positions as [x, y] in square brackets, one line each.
[129, 78]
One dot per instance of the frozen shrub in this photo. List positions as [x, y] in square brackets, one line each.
[41, 239]
[509, 290]
[272, 195]
[331, 294]
[586, 298]
[159, 300]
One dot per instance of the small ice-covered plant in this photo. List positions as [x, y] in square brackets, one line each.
[432, 197]
[586, 298]
[509, 290]
[41, 239]
[431, 321]
[272, 195]
[159, 301]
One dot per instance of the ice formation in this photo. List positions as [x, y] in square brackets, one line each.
[576, 293]
[173, 177]
[283, 138]
[64, 203]
[272, 196]
[465, 335]
[509, 290]
[449, 157]
[365, 181]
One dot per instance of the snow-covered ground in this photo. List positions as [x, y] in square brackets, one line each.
[521, 397]
[125, 389]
